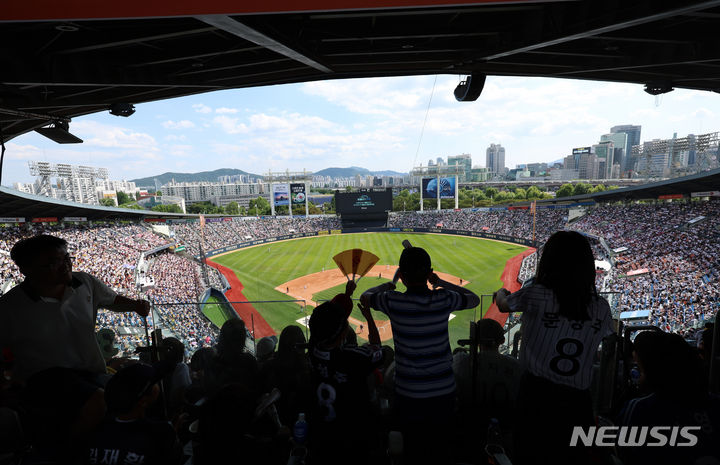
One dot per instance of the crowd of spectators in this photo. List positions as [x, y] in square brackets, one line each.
[215, 279]
[224, 233]
[527, 268]
[515, 223]
[670, 265]
[175, 295]
[108, 251]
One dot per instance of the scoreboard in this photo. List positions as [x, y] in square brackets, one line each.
[363, 202]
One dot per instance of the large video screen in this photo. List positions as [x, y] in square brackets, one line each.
[447, 188]
[349, 203]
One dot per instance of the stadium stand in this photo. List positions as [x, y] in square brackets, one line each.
[680, 288]
[221, 233]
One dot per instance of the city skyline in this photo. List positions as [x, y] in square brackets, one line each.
[373, 123]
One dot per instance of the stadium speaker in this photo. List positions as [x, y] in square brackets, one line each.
[59, 131]
[658, 87]
[122, 109]
[471, 88]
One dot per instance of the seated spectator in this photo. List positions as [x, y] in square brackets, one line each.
[232, 364]
[128, 436]
[226, 431]
[497, 378]
[106, 340]
[289, 371]
[172, 351]
[340, 419]
[671, 371]
[265, 349]
[201, 364]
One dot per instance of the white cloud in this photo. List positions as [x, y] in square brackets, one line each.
[22, 152]
[184, 124]
[230, 125]
[201, 108]
[703, 113]
[102, 135]
[224, 110]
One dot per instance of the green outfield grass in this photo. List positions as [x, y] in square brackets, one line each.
[214, 311]
[262, 268]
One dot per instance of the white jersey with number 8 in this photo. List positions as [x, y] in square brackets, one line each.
[554, 347]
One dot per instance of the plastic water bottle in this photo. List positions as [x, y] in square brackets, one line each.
[494, 434]
[300, 430]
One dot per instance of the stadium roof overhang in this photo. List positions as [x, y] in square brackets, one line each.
[66, 59]
[20, 205]
[701, 182]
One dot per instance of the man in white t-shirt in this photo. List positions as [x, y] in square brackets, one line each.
[48, 324]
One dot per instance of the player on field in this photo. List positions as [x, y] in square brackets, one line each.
[563, 322]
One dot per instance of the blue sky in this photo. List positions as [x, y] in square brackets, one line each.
[373, 123]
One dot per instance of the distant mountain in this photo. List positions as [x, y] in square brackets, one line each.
[343, 172]
[354, 171]
[203, 176]
[212, 176]
[388, 173]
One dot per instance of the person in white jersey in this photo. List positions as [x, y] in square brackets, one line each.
[563, 322]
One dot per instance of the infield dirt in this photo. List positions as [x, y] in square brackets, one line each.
[306, 286]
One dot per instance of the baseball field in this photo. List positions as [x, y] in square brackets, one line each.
[303, 270]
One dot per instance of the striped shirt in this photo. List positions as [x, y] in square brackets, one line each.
[423, 360]
[553, 347]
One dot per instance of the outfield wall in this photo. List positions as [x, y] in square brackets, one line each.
[327, 232]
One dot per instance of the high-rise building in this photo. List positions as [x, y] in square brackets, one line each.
[620, 143]
[633, 138]
[495, 159]
[604, 153]
[692, 151]
[588, 166]
[464, 160]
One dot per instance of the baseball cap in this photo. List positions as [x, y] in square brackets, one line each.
[489, 331]
[132, 382]
[415, 260]
[327, 321]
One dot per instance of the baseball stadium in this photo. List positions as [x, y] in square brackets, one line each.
[576, 329]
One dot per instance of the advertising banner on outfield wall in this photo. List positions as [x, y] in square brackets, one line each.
[297, 193]
[447, 188]
[78, 219]
[14, 219]
[281, 194]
